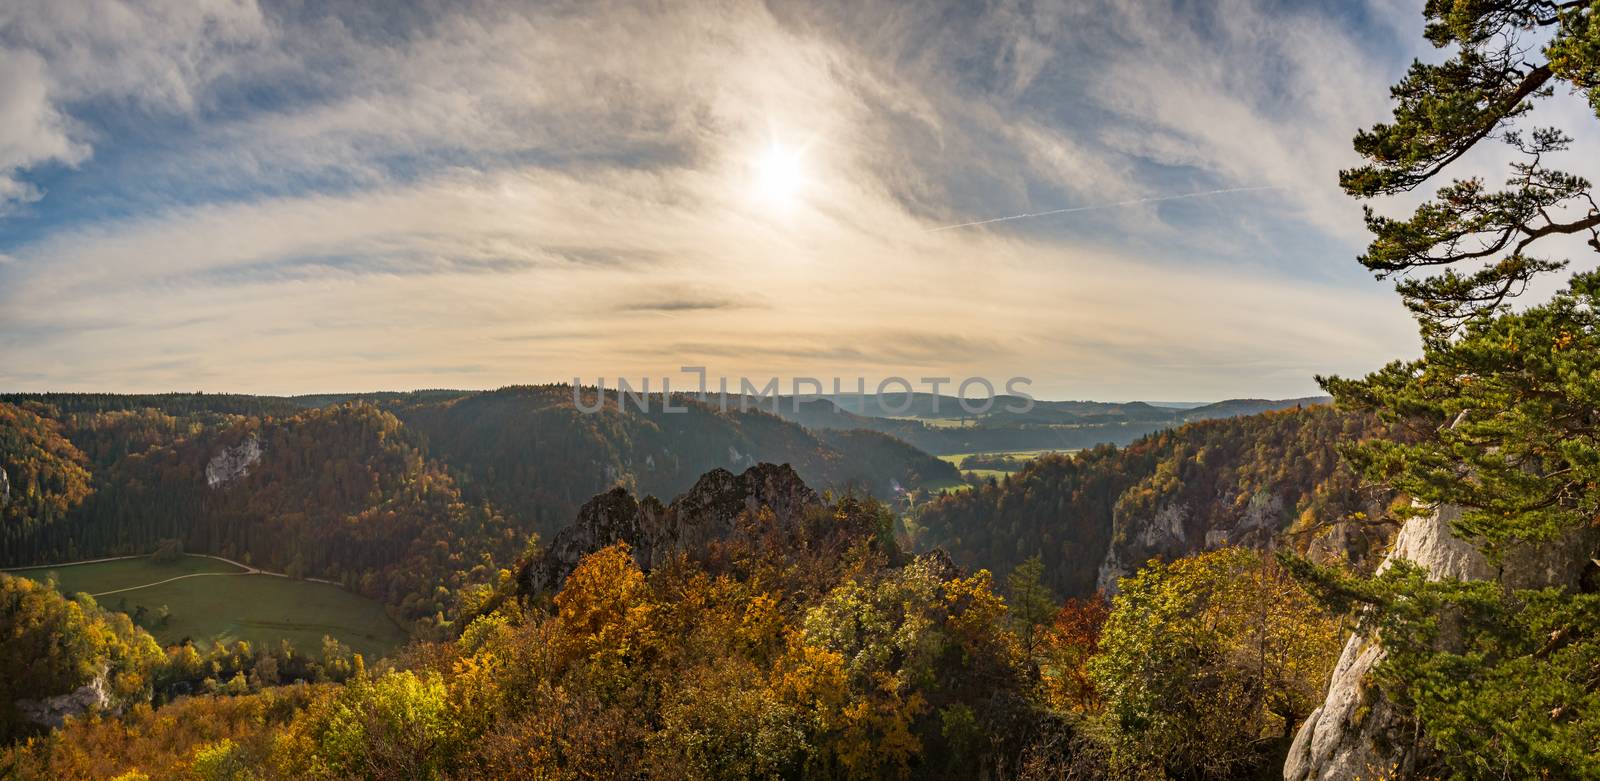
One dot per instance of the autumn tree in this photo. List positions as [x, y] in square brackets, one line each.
[45, 477]
[391, 727]
[1067, 646]
[51, 645]
[1207, 664]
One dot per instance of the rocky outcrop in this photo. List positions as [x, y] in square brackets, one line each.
[706, 513]
[939, 564]
[1176, 531]
[1353, 733]
[54, 711]
[1166, 529]
[737, 459]
[5, 487]
[233, 462]
[1105, 580]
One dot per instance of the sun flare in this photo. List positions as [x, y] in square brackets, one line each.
[779, 174]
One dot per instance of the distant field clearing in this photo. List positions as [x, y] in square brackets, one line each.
[213, 600]
[1022, 455]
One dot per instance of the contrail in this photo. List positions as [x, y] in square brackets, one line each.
[1133, 202]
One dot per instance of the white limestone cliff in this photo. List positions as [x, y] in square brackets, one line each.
[233, 462]
[1356, 733]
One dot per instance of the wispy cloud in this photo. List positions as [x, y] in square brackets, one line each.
[295, 197]
[1099, 206]
[672, 305]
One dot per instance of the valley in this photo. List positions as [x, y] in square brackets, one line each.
[209, 601]
[409, 501]
[329, 450]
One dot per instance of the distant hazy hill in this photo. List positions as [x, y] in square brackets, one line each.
[1233, 408]
[938, 424]
[532, 453]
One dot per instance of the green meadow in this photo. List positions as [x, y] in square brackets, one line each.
[1023, 455]
[213, 601]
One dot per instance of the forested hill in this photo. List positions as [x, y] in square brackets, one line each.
[407, 498]
[530, 451]
[939, 424]
[342, 493]
[1269, 478]
[527, 449]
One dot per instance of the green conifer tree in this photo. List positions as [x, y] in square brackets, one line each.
[1502, 411]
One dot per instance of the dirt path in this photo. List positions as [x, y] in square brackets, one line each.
[247, 570]
[168, 580]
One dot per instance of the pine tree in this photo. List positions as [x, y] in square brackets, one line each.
[1502, 411]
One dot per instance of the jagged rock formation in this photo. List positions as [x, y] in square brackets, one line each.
[940, 565]
[1353, 734]
[53, 711]
[1174, 532]
[708, 512]
[233, 462]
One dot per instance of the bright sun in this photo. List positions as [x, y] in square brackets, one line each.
[778, 174]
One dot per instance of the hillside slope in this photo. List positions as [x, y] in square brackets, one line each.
[531, 452]
[1101, 514]
[342, 493]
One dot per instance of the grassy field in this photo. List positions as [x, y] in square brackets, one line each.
[985, 474]
[228, 606]
[935, 486]
[1023, 455]
[102, 576]
[955, 459]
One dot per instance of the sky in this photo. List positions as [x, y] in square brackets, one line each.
[296, 197]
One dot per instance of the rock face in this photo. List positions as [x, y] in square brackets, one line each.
[53, 711]
[708, 512]
[233, 462]
[5, 487]
[1105, 580]
[1350, 735]
[1175, 531]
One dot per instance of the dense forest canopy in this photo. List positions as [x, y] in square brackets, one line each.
[44, 476]
[412, 499]
[342, 493]
[1197, 483]
[531, 452]
[814, 648]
